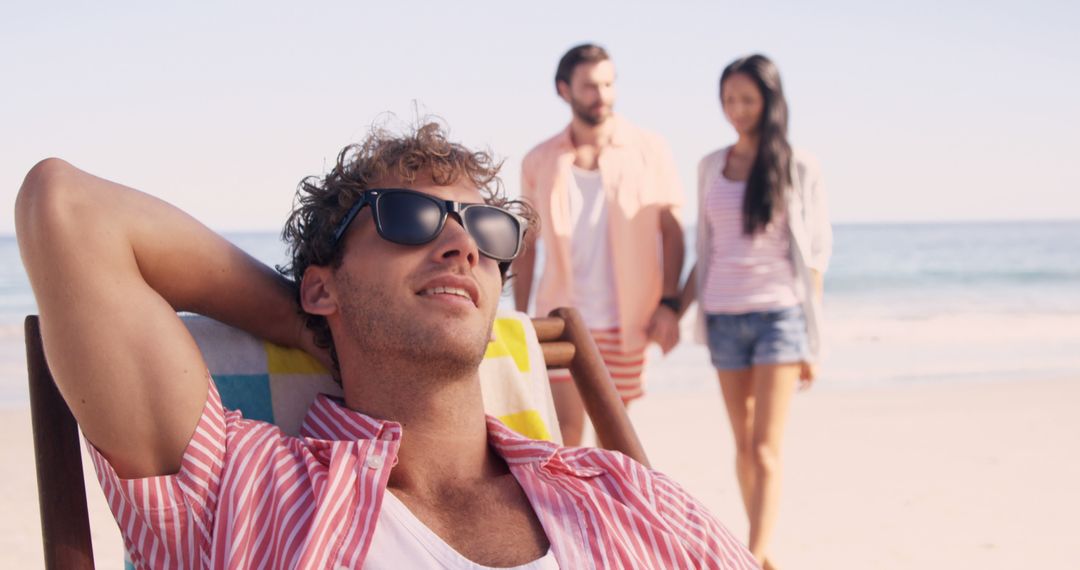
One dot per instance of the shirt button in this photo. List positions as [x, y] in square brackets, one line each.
[387, 436]
[375, 461]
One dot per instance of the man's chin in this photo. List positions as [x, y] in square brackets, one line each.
[454, 356]
[594, 119]
[456, 339]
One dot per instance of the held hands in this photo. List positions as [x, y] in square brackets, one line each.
[663, 328]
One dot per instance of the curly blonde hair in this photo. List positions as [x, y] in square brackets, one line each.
[322, 201]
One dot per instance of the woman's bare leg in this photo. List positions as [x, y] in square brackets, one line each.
[773, 387]
[738, 389]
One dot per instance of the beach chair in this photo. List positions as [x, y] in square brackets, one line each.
[276, 384]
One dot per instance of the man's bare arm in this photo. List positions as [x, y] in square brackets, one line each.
[674, 249]
[110, 266]
[663, 327]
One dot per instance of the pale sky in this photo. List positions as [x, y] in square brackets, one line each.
[917, 111]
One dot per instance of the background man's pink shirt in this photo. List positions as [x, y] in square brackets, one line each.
[640, 181]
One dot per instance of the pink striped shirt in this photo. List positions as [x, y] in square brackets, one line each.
[745, 273]
[249, 496]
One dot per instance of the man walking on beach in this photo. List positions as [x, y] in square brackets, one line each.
[399, 255]
[609, 198]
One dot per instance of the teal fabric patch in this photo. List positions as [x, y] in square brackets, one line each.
[249, 393]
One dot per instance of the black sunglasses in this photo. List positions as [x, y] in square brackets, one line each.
[408, 217]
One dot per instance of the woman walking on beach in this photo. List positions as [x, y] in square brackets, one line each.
[763, 244]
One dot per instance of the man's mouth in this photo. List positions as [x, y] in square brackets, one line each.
[450, 286]
[447, 291]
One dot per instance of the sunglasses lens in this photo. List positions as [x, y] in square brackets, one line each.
[408, 219]
[496, 231]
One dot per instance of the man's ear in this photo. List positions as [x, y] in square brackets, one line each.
[564, 90]
[317, 294]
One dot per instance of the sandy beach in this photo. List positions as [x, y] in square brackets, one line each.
[916, 475]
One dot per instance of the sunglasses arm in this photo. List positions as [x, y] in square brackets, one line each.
[347, 220]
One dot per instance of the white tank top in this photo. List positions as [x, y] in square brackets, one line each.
[590, 250]
[402, 542]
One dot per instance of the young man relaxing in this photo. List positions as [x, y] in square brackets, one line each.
[398, 259]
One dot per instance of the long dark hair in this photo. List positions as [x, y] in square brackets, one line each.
[771, 173]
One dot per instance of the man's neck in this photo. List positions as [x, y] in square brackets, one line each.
[444, 428]
[584, 134]
[446, 473]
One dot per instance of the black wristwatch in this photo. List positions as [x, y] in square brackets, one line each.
[671, 303]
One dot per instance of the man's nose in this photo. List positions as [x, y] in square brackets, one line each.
[454, 241]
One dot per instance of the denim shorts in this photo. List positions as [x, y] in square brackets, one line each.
[765, 337]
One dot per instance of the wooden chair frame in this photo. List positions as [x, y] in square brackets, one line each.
[65, 521]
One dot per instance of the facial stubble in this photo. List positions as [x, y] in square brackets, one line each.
[584, 113]
[392, 338]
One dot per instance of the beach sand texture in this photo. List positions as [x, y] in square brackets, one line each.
[900, 475]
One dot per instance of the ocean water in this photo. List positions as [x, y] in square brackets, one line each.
[955, 301]
[929, 269]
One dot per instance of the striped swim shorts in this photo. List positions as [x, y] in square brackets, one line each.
[626, 368]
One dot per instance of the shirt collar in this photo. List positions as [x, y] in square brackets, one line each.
[517, 449]
[620, 134]
[329, 419]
